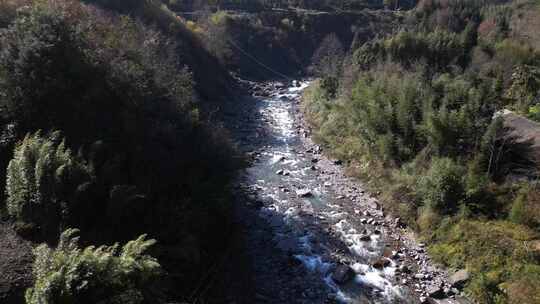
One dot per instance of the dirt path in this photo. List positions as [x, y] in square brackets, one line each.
[15, 264]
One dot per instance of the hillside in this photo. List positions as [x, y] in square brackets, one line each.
[419, 123]
[274, 43]
[269, 151]
[105, 128]
[204, 66]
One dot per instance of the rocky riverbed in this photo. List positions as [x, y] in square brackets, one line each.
[312, 234]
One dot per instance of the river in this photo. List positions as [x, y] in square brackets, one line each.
[336, 232]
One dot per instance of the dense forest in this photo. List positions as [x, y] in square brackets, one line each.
[105, 139]
[258, 5]
[116, 171]
[418, 113]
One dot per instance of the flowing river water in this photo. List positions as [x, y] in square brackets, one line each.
[323, 220]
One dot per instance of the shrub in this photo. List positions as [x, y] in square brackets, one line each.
[525, 286]
[147, 160]
[428, 219]
[525, 87]
[515, 53]
[525, 209]
[441, 188]
[42, 180]
[106, 274]
[100, 77]
[327, 59]
[495, 253]
[439, 48]
[386, 109]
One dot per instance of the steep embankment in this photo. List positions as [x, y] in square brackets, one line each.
[212, 80]
[115, 89]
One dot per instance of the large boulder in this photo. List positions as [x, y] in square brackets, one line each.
[304, 193]
[436, 292]
[459, 278]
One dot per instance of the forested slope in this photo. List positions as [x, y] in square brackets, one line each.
[212, 81]
[104, 129]
[285, 43]
[261, 5]
[110, 160]
[415, 114]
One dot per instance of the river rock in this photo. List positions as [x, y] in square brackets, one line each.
[436, 292]
[342, 274]
[404, 269]
[304, 193]
[459, 278]
[381, 263]
[398, 223]
[365, 238]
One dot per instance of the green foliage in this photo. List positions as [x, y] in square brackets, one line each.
[258, 5]
[525, 87]
[219, 18]
[516, 53]
[107, 79]
[149, 160]
[526, 207]
[494, 252]
[452, 14]
[534, 113]
[330, 86]
[106, 274]
[422, 122]
[524, 287]
[428, 219]
[398, 114]
[439, 48]
[42, 179]
[328, 58]
[441, 188]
